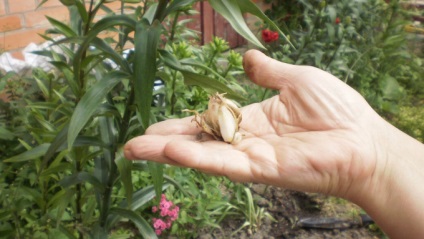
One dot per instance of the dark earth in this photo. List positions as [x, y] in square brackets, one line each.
[288, 208]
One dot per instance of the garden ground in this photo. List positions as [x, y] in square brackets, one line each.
[288, 207]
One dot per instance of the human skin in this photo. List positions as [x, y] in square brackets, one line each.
[317, 135]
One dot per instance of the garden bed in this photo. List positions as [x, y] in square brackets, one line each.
[287, 208]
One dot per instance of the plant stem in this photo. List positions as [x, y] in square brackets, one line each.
[159, 14]
[173, 96]
[174, 24]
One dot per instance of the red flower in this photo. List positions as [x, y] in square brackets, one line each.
[269, 36]
[337, 20]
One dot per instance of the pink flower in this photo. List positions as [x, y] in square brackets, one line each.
[168, 213]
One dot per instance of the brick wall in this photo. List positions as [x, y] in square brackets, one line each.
[22, 20]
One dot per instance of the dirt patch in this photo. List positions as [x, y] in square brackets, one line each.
[288, 207]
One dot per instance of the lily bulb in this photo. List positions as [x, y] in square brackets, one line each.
[221, 119]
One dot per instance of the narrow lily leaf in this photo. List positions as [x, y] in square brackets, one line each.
[90, 102]
[251, 7]
[103, 24]
[142, 225]
[209, 84]
[176, 5]
[57, 142]
[67, 2]
[146, 39]
[68, 74]
[192, 78]
[111, 53]
[150, 13]
[156, 171]
[82, 177]
[61, 27]
[139, 199]
[231, 11]
[31, 154]
[124, 167]
[6, 134]
[82, 11]
[106, 128]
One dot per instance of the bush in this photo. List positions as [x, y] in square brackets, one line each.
[361, 42]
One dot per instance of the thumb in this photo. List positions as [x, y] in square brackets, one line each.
[267, 72]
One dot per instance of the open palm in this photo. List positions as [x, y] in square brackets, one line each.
[315, 135]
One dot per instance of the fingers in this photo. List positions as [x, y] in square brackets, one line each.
[213, 157]
[152, 147]
[183, 126]
[267, 72]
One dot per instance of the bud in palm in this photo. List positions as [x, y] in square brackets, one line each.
[221, 119]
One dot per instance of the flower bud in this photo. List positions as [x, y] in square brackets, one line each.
[221, 119]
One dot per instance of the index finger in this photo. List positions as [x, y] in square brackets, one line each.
[184, 126]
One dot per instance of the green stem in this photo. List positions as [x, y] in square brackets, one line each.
[230, 66]
[174, 24]
[173, 96]
[107, 196]
[160, 11]
[78, 189]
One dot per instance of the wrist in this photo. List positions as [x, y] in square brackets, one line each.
[394, 192]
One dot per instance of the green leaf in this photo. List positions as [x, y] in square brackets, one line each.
[146, 39]
[250, 7]
[90, 102]
[231, 11]
[57, 142]
[176, 5]
[6, 134]
[61, 27]
[101, 25]
[31, 154]
[156, 171]
[82, 177]
[210, 85]
[150, 13]
[192, 78]
[124, 167]
[111, 53]
[68, 75]
[139, 199]
[142, 225]
[82, 11]
[67, 2]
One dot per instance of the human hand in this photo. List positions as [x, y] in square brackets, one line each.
[317, 135]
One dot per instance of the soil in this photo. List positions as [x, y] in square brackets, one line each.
[289, 208]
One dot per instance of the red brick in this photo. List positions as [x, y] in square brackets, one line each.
[18, 54]
[2, 8]
[38, 18]
[21, 5]
[10, 23]
[20, 39]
